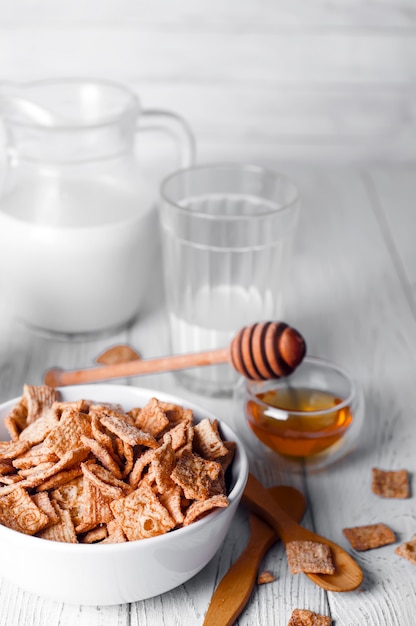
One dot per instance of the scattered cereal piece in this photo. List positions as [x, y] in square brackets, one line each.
[118, 354]
[369, 537]
[390, 484]
[310, 557]
[407, 550]
[303, 617]
[265, 577]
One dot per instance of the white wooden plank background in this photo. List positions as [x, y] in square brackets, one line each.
[348, 295]
[291, 80]
[276, 82]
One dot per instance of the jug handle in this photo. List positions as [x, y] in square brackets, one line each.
[174, 125]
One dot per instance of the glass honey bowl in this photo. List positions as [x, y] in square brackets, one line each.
[313, 415]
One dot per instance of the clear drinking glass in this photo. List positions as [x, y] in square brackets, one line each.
[227, 233]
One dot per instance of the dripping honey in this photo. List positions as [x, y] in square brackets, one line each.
[304, 423]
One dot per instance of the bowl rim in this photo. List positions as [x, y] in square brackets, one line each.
[111, 548]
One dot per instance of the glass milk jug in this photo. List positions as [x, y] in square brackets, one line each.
[78, 232]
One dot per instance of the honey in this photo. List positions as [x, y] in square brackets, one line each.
[298, 421]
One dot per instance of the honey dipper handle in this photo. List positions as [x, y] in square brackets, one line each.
[57, 377]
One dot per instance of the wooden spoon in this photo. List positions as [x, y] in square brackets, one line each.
[234, 590]
[259, 352]
[348, 574]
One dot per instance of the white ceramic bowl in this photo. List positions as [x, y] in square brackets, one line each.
[126, 572]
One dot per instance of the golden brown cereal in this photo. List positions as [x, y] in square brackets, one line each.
[43, 501]
[99, 434]
[178, 435]
[152, 418]
[102, 455]
[70, 497]
[369, 537]
[105, 481]
[35, 469]
[127, 459]
[38, 430]
[67, 435]
[10, 450]
[303, 617]
[118, 354]
[140, 464]
[176, 414]
[19, 512]
[91, 473]
[60, 479]
[265, 577]
[198, 477]
[201, 507]
[172, 500]
[163, 463]
[115, 533]
[95, 507]
[33, 457]
[310, 557]
[39, 399]
[141, 515]
[127, 432]
[207, 441]
[16, 420]
[63, 530]
[407, 550]
[390, 484]
[6, 467]
[93, 536]
[227, 459]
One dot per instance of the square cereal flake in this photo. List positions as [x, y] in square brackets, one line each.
[303, 617]
[369, 537]
[390, 484]
[310, 557]
[408, 550]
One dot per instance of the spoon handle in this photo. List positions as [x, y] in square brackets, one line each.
[348, 574]
[256, 495]
[233, 592]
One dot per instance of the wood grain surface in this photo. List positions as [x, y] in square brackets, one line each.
[323, 91]
[350, 295]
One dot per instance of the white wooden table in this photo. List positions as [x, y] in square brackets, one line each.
[352, 294]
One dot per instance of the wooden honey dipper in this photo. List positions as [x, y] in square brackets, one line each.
[259, 352]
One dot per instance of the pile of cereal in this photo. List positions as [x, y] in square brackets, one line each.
[89, 472]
